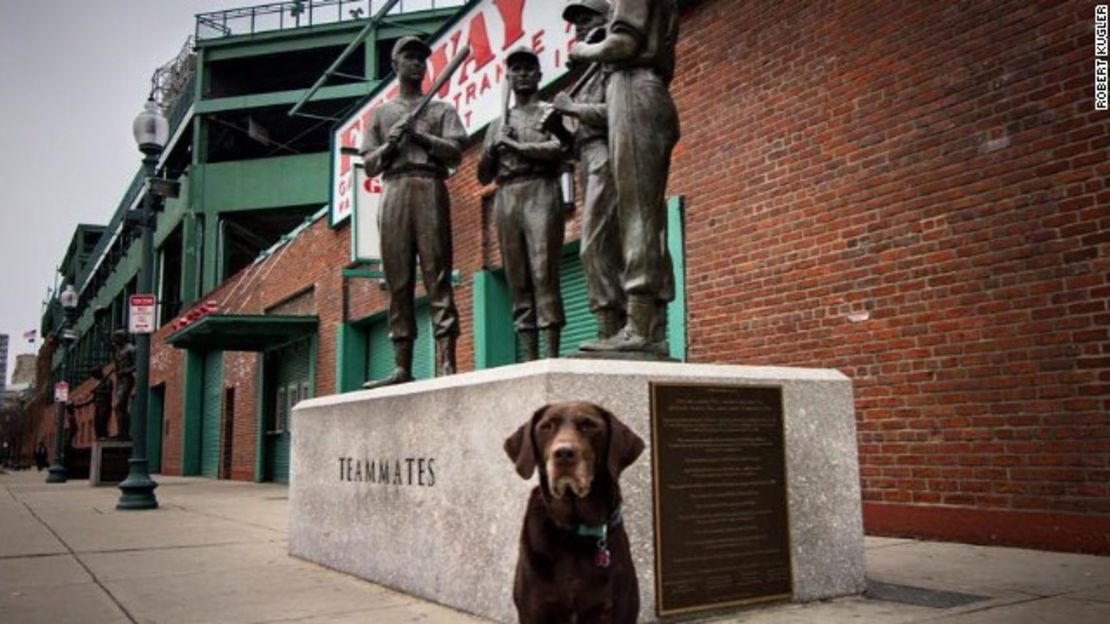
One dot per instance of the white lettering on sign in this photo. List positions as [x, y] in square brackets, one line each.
[492, 29]
[140, 314]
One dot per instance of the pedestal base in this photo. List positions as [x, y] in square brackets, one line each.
[409, 486]
[109, 462]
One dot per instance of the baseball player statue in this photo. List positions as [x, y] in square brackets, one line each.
[600, 251]
[414, 142]
[639, 49]
[526, 161]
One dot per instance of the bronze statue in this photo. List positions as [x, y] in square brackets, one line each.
[643, 129]
[602, 260]
[123, 356]
[414, 142]
[101, 400]
[526, 161]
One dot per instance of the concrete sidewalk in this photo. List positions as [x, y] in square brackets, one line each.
[216, 552]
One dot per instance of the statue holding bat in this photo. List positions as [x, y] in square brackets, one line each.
[414, 142]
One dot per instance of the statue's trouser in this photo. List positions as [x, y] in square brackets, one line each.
[602, 258]
[101, 417]
[415, 221]
[530, 228]
[643, 130]
[123, 406]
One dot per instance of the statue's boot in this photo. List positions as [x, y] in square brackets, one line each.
[609, 322]
[402, 357]
[124, 433]
[554, 335]
[445, 356]
[530, 344]
[645, 330]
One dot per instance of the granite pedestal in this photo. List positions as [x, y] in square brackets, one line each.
[110, 462]
[408, 486]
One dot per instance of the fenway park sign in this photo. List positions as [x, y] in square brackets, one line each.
[492, 28]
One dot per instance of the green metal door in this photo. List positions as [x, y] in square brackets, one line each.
[154, 427]
[210, 414]
[290, 385]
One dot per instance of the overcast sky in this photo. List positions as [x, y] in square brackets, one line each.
[74, 75]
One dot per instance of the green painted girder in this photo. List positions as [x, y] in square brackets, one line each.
[213, 43]
[282, 98]
[261, 183]
[270, 43]
[365, 271]
[242, 332]
[305, 37]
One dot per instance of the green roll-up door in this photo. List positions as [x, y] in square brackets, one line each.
[581, 324]
[291, 386]
[210, 417]
[379, 351]
[423, 352]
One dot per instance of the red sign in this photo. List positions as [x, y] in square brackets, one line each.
[140, 314]
[491, 28]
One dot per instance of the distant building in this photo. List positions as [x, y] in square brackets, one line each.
[3, 361]
[24, 374]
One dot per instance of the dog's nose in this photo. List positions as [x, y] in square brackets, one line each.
[565, 453]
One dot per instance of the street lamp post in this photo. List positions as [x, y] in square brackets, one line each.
[137, 490]
[68, 301]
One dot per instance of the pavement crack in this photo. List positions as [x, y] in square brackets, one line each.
[33, 556]
[114, 551]
[986, 607]
[230, 519]
[73, 553]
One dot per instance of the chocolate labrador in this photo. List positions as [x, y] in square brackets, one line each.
[574, 563]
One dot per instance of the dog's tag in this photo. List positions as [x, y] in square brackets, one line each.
[601, 559]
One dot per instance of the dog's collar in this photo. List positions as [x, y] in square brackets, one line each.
[600, 531]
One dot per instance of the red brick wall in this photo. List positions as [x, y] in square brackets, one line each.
[914, 194]
[311, 260]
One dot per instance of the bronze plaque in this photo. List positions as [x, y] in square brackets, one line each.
[720, 496]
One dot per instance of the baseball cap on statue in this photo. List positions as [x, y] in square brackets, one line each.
[600, 7]
[407, 42]
[521, 53]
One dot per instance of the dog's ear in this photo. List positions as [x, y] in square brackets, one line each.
[624, 445]
[521, 450]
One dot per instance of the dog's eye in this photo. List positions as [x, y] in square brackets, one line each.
[586, 425]
[545, 426]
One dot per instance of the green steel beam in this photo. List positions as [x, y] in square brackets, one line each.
[260, 419]
[676, 311]
[192, 404]
[281, 98]
[272, 43]
[370, 26]
[264, 183]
